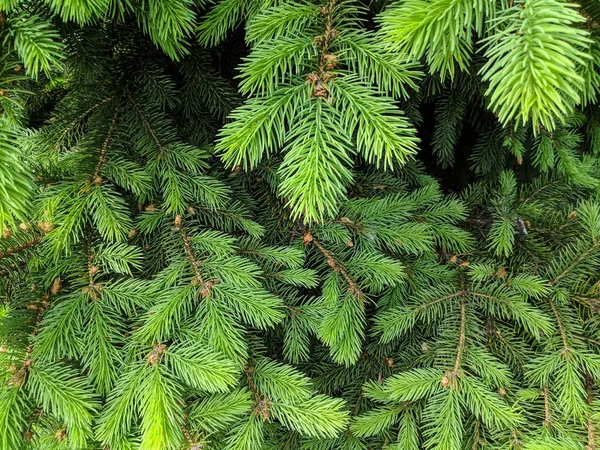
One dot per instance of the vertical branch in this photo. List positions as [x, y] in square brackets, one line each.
[327, 60]
[263, 405]
[102, 159]
[20, 374]
[560, 326]
[206, 286]
[189, 250]
[591, 426]
[462, 338]
[450, 376]
[92, 289]
[547, 414]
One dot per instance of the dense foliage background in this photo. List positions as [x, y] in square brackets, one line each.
[316, 225]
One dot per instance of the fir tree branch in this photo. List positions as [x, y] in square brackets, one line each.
[327, 61]
[91, 269]
[161, 147]
[262, 405]
[547, 412]
[541, 189]
[103, 149]
[591, 426]
[20, 248]
[189, 251]
[71, 125]
[462, 338]
[20, 376]
[440, 300]
[353, 287]
[571, 266]
[561, 329]
[517, 357]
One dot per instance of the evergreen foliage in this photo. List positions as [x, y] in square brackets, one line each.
[297, 224]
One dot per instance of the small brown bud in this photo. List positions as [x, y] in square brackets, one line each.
[132, 233]
[191, 211]
[56, 286]
[572, 214]
[453, 259]
[94, 270]
[178, 221]
[46, 227]
[263, 409]
[307, 238]
[19, 68]
[23, 227]
[312, 77]
[6, 233]
[320, 90]
[502, 392]
[350, 244]
[502, 273]
[445, 381]
[329, 61]
[3, 93]
[389, 362]
[151, 208]
[98, 181]
[155, 355]
[61, 435]
[464, 264]
[520, 161]
[205, 290]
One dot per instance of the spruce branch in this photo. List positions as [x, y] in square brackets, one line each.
[19, 248]
[189, 251]
[591, 426]
[353, 287]
[103, 156]
[78, 120]
[566, 348]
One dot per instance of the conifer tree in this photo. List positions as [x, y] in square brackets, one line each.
[284, 224]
